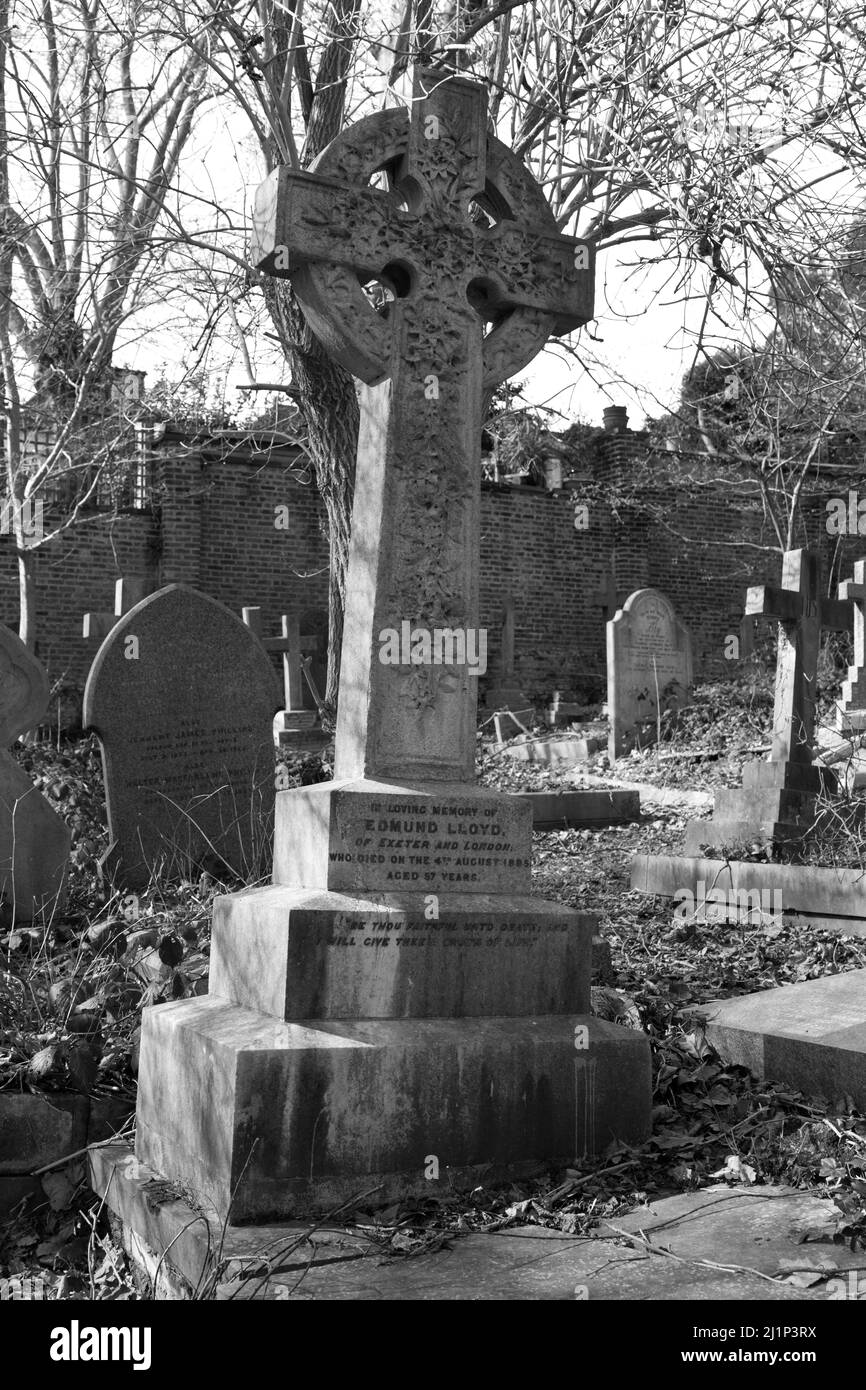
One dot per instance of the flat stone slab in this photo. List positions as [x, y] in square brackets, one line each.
[835, 896]
[298, 953]
[649, 793]
[558, 810]
[555, 750]
[752, 1232]
[811, 1036]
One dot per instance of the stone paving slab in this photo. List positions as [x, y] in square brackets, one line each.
[719, 1243]
[811, 1036]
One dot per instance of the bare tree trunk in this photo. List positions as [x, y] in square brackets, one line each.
[26, 594]
[331, 414]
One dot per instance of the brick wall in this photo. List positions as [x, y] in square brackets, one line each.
[216, 524]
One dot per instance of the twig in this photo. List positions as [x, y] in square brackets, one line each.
[641, 1239]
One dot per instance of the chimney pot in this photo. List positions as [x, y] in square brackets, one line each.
[615, 419]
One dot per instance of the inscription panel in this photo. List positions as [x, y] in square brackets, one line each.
[460, 843]
[365, 960]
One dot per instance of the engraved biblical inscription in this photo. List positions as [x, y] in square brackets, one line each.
[482, 933]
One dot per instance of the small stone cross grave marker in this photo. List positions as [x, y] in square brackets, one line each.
[851, 715]
[127, 593]
[294, 646]
[775, 805]
[802, 612]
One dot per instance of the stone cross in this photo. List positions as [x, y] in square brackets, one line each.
[801, 612]
[605, 596]
[852, 714]
[127, 593]
[293, 647]
[507, 639]
[464, 241]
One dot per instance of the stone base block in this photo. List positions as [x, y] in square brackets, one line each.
[794, 776]
[721, 836]
[296, 953]
[764, 804]
[303, 740]
[281, 1119]
[289, 721]
[357, 836]
[810, 1036]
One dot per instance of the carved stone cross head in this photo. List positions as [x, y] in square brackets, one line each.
[461, 235]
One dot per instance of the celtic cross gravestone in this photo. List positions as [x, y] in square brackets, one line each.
[396, 1005]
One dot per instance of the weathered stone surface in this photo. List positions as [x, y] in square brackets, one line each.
[358, 836]
[343, 1105]
[745, 1230]
[555, 810]
[35, 1130]
[34, 841]
[183, 696]
[297, 954]
[572, 749]
[811, 1036]
[502, 692]
[649, 664]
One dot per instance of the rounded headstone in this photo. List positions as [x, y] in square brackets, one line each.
[182, 695]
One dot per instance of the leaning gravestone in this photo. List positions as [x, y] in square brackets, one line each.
[395, 1011]
[649, 666]
[182, 696]
[34, 841]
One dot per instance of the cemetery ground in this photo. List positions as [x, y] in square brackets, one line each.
[71, 1000]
